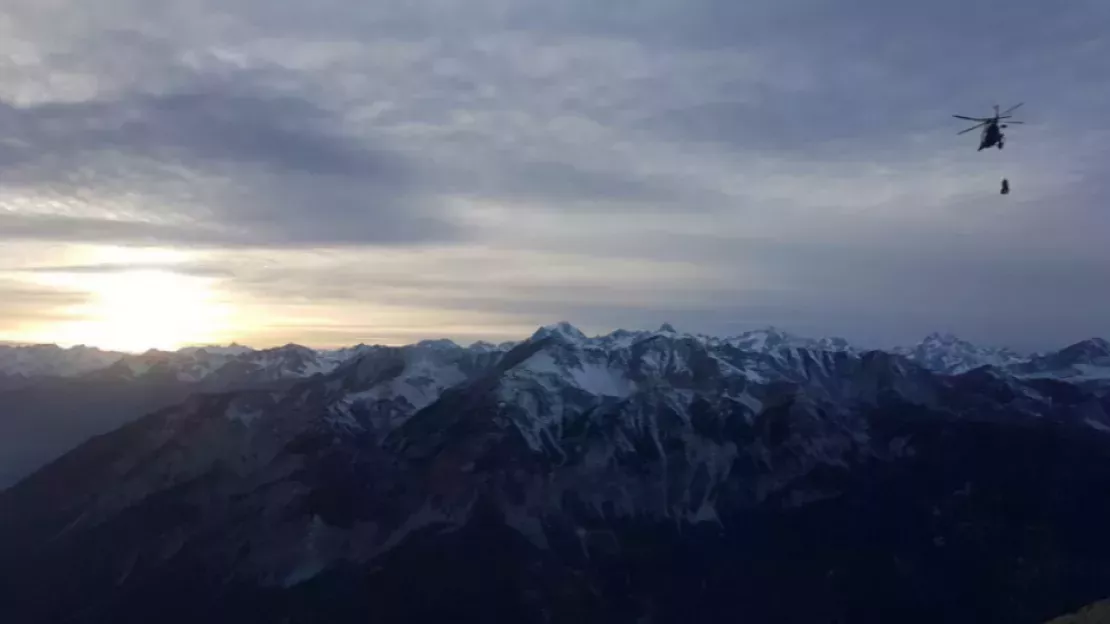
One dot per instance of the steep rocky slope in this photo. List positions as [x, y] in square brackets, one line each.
[652, 476]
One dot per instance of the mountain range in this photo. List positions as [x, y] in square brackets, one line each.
[639, 476]
[940, 352]
[53, 398]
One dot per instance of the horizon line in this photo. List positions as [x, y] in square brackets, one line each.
[771, 328]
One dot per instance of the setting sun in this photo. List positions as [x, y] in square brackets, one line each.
[148, 309]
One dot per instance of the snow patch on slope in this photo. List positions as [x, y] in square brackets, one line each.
[419, 386]
[1094, 424]
[587, 375]
[947, 353]
[243, 412]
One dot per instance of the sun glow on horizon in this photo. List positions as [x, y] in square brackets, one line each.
[135, 311]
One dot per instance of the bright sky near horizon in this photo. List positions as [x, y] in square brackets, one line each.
[334, 172]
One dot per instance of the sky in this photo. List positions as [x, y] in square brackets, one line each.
[338, 171]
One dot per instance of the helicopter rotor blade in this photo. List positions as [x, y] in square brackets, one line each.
[972, 128]
[1011, 109]
[972, 118]
[1013, 122]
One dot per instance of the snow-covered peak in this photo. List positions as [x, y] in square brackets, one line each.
[945, 352]
[1087, 360]
[1090, 349]
[771, 339]
[595, 371]
[438, 343]
[33, 360]
[765, 339]
[290, 361]
[344, 354]
[939, 351]
[942, 338]
[230, 350]
[483, 346]
[562, 332]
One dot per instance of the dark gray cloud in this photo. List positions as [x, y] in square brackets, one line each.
[881, 73]
[210, 126]
[227, 163]
[217, 164]
[97, 230]
[886, 288]
[753, 162]
[569, 185]
[868, 75]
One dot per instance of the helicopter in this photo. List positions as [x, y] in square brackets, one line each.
[991, 135]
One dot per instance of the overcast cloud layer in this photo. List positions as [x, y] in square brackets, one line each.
[373, 171]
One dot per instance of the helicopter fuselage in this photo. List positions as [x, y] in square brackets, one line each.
[991, 136]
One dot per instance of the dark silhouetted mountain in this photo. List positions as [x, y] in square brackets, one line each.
[49, 404]
[639, 476]
[1085, 361]
[41, 418]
